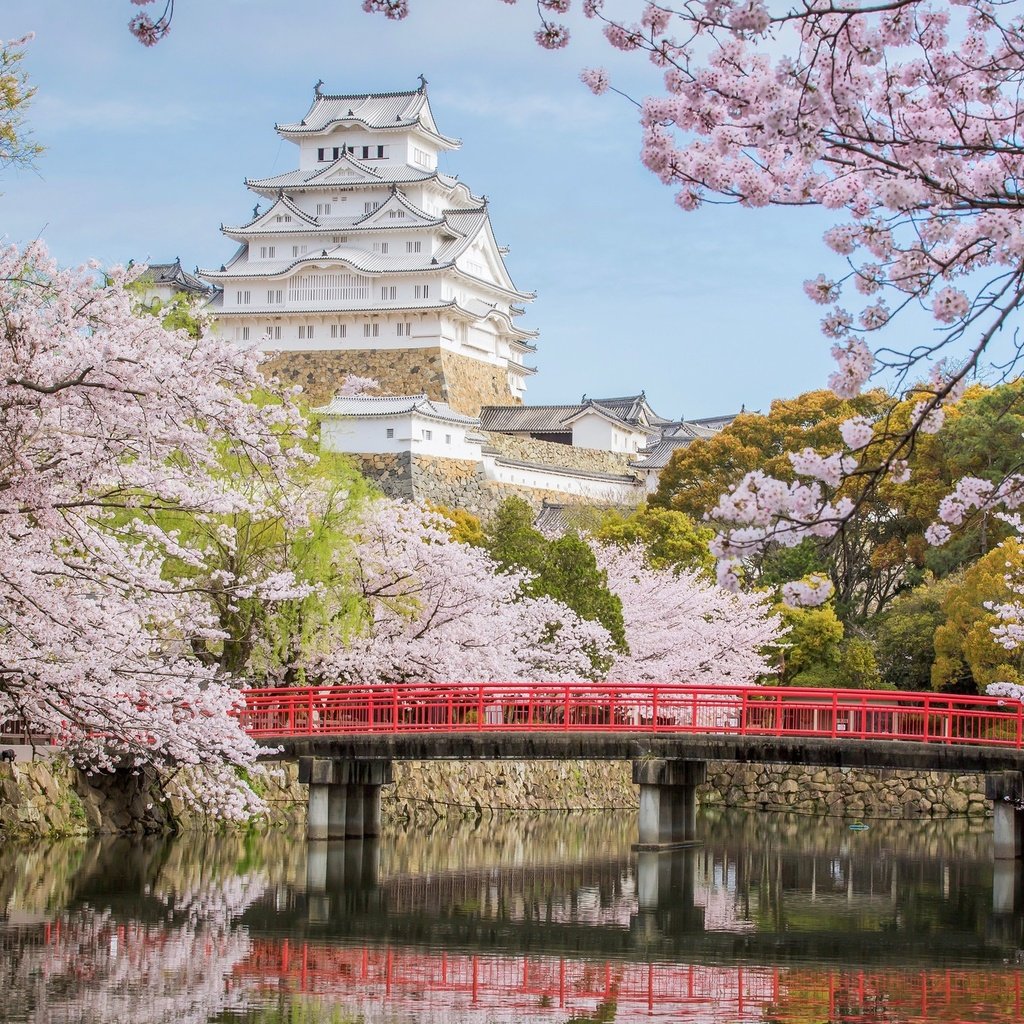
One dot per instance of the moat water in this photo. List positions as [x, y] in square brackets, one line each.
[775, 919]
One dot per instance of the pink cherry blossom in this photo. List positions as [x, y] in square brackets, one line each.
[595, 79]
[110, 422]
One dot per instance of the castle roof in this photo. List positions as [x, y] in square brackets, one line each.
[379, 112]
[631, 410]
[371, 406]
[176, 276]
[348, 170]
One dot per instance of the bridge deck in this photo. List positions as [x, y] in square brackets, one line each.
[476, 746]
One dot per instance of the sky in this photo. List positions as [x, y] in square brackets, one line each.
[146, 150]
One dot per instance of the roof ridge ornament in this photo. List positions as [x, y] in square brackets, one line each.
[317, 89]
[423, 84]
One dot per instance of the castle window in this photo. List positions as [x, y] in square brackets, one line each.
[321, 287]
[243, 298]
[447, 438]
[267, 252]
[413, 246]
[422, 291]
[428, 435]
[404, 330]
[337, 151]
[388, 292]
[390, 432]
[371, 206]
[323, 208]
[371, 330]
[380, 247]
[396, 214]
[421, 157]
[381, 152]
[320, 154]
[339, 330]
[273, 333]
[275, 296]
[338, 238]
[306, 331]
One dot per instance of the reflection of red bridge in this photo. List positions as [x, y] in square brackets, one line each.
[533, 983]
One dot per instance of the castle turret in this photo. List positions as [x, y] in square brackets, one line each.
[368, 260]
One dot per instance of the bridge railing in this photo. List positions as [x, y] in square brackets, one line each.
[633, 707]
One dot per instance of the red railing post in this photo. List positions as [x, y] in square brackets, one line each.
[480, 708]
[565, 713]
[654, 709]
[309, 713]
[394, 708]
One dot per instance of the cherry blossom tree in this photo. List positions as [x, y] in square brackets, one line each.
[108, 423]
[437, 610]
[683, 628]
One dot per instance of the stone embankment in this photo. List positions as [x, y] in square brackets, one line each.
[49, 798]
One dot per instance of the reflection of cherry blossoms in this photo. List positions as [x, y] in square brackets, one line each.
[93, 969]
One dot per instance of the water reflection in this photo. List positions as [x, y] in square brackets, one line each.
[775, 919]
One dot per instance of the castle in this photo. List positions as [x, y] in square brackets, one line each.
[369, 261]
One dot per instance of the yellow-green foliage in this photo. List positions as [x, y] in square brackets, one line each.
[15, 94]
[967, 656]
[461, 525]
[672, 539]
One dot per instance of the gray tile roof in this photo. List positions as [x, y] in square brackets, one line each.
[176, 276]
[531, 419]
[394, 405]
[382, 111]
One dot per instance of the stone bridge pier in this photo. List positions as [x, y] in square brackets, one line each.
[668, 801]
[1006, 791]
[344, 796]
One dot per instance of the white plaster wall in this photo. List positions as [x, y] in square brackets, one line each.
[368, 436]
[602, 491]
[592, 431]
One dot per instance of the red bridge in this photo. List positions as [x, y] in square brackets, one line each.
[346, 737]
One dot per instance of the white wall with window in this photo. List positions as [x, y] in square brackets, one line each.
[382, 435]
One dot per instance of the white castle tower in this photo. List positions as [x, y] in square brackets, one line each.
[369, 260]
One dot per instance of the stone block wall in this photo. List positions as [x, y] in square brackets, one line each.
[548, 453]
[464, 383]
[455, 483]
[881, 793]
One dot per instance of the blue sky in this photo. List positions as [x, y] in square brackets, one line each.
[146, 152]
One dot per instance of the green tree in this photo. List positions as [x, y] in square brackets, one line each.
[904, 634]
[564, 569]
[16, 146]
[671, 538]
[967, 655]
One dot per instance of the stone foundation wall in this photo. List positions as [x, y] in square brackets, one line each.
[454, 483]
[878, 793]
[48, 798]
[548, 453]
[470, 383]
[438, 789]
[462, 382]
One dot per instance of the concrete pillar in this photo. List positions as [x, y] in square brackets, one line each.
[371, 811]
[1006, 791]
[337, 813]
[316, 866]
[1007, 887]
[344, 796]
[317, 820]
[354, 811]
[668, 800]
